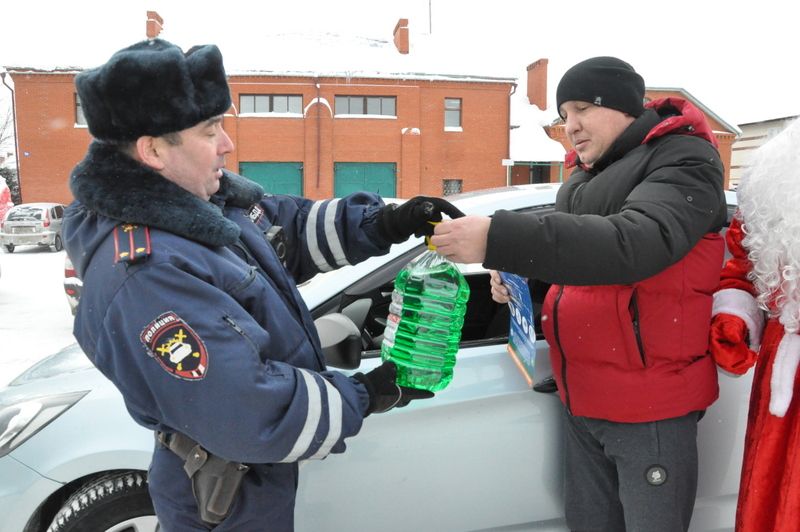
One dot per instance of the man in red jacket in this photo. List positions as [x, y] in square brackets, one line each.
[632, 255]
[764, 275]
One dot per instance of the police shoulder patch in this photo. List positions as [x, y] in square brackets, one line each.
[176, 347]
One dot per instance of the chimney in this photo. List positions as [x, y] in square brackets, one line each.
[537, 83]
[401, 35]
[154, 24]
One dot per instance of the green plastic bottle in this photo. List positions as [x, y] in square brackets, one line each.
[426, 315]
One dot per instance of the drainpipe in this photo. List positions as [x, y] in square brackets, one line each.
[508, 168]
[16, 143]
[319, 135]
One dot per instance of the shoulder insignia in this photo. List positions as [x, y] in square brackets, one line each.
[176, 347]
[131, 243]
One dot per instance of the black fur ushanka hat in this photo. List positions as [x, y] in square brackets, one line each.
[152, 88]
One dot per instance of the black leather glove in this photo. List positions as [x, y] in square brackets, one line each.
[398, 222]
[384, 393]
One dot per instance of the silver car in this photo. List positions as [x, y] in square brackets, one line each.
[484, 454]
[29, 224]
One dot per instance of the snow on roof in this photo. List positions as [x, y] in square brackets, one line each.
[334, 55]
[528, 140]
[330, 54]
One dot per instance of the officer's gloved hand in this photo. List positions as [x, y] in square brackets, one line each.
[398, 222]
[384, 393]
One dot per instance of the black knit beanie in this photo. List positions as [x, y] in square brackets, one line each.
[152, 88]
[604, 81]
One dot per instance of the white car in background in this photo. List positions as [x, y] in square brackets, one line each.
[484, 454]
[32, 224]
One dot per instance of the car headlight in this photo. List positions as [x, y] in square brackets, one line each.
[22, 419]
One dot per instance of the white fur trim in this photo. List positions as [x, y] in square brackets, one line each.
[783, 372]
[741, 304]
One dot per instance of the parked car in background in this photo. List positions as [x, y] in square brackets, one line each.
[72, 285]
[484, 454]
[32, 224]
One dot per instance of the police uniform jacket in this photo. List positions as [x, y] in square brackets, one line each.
[188, 310]
[633, 254]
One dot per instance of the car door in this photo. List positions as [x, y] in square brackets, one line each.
[483, 454]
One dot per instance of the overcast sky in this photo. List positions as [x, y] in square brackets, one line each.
[737, 58]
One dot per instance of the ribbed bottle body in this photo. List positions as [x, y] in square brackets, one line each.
[423, 328]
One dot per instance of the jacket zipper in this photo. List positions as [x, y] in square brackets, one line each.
[561, 349]
[637, 328]
[247, 281]
[235, 326]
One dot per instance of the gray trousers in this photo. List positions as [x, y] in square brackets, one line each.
[630, 477]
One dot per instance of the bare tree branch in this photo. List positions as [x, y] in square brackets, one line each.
[6, 132]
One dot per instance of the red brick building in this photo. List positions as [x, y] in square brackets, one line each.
[319, 135]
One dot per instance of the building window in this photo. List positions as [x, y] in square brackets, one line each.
[452, 113]
[270, 103]
[451, 186]
[366, 105]
[80, 120]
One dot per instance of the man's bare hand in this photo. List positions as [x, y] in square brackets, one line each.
[499, 290]
[463, 239]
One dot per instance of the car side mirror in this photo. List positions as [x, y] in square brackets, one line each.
[341, 340]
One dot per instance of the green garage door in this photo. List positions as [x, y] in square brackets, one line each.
[276, 178]
[379, 178]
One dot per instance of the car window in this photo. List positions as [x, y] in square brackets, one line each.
[59, 211]
[24, 213]
[485, 322]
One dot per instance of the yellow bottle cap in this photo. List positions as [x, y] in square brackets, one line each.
[428, 239]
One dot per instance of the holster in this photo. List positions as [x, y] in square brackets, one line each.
[215, 482]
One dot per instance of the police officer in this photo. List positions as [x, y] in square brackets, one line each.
[188, 310]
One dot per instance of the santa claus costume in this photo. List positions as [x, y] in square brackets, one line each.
[757, 321]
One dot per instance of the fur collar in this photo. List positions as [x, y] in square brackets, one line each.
[112, 184]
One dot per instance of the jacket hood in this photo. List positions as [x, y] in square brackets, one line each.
[675, 116]
[119, 189]
[689, 120]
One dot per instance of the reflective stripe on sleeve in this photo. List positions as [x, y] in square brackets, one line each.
[334, 421]
[312, 418]
[332, 236]
[311, 239]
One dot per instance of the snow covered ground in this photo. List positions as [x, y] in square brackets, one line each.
[35, 319]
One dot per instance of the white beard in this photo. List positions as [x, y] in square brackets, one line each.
[769, 204]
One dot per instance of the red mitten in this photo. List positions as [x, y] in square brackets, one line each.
[729, 342]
